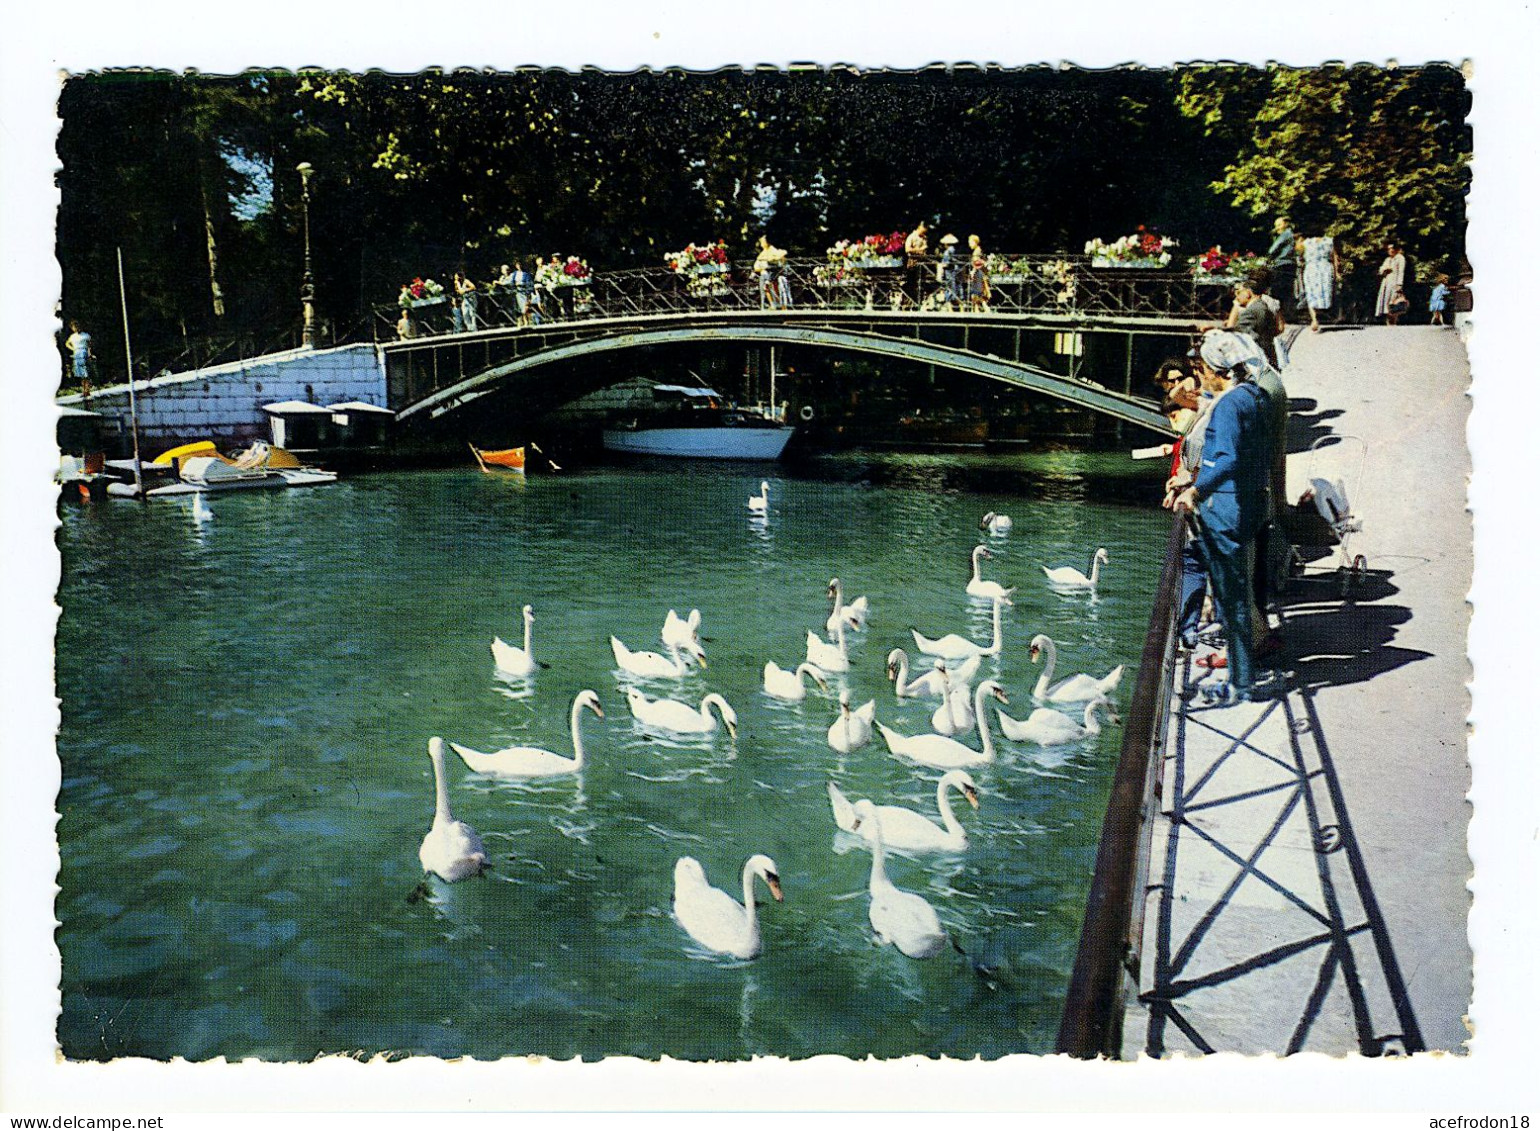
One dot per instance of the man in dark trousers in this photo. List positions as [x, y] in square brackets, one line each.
[1229, 498]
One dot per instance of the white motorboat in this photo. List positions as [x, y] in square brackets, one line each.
[698, 423]
[210, 473]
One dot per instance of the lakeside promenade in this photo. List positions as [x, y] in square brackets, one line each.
[1307, 881]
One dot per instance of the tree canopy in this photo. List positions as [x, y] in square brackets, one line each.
[193, 176]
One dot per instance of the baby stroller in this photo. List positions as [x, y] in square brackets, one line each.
[1328, 492]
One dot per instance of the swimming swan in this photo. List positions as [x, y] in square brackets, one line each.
[853, 614]
[1074, 689]
[451, 850]
[715, 919]
[682, 633]
[1068, 577]
[955, 715]
[853, 729]
[681, 718]
[825, 656]
[760, 503]
[516, 661]
[531, 761]
[954, 647]
[1048, 727]
[932, 682]
[652, 664]
[977, 586]
[788, 685]
[995, 523]
[898, 917]
[947, 753]
[907, 830]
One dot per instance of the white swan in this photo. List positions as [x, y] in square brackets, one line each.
[899, 917]
[682, 633]
[531, 761]
[853, 729]
[451, 850]
[907, 830]
[977, 586]
[681, 718]
[653, 664]
[853, 614]
[954, 647]
[760, 503]
[955, 715]
[715, 919]
[1075, 688]
[825, 656]
[788, 685]
[995, 523]
[932, 682]
[946, 753]
[1048, 727]
[1068, 577]
[516, 661]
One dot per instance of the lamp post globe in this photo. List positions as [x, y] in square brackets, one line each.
[307, 284]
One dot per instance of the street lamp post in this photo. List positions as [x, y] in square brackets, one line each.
[307, 285]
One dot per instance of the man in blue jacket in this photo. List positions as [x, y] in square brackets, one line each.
[1229, 498]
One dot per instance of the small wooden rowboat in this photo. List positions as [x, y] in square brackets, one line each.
[511, 459]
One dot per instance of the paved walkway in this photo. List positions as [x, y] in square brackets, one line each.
[1308, 870]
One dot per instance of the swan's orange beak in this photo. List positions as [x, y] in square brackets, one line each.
[1034, 652]
[972, 795]
[999, 693]
[598, 710]
[775, 887]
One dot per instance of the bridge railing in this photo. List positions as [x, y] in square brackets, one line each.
[1039, 285]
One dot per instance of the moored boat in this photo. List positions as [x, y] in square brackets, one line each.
[697, 423]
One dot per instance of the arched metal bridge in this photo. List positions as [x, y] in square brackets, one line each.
[430, 378]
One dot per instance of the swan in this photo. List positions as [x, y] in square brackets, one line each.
[932, 682]
[681, 718]
[899, 917]
[825, 656]
[760, 503]
[715, 919]
[853, 614]
[788, 685]
[946, 753]
[907, 830]
[451, 850]
[995, 523]
[682, 633]
[1068, 577]
[531, 761]
[200, 510]
[977, 586]
[1048, 727]
[652, 664]
[955, 715]
[955, 647]
[1076, 687]
[516, 661]
[853, 729]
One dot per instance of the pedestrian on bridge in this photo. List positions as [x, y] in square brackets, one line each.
[978, 277]
[916, 248]
[951, 273]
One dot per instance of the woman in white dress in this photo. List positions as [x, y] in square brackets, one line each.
[1321, 274]
[1392, 280]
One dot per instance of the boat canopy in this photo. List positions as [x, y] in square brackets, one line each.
[685, 390]
[358, 406]
[279, 408]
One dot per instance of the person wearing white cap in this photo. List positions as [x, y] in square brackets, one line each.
[950, 272]
[1229, 495]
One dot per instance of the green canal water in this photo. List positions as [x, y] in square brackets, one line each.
[247, 704]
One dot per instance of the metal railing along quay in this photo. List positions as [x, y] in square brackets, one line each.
[1107, 963]
[1070, 287]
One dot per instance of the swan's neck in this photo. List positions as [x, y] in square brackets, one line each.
[839, 634]
[1092, 724]
[721, 705]
[983, 723]
[803, 670]
[944, 804]
[577, 735]
[902, 682]
[879, 880]
[1050, 656]
[529, 624]
[994, 647]
[441, 814]
[749, 915]
[1096, 568]
[839, 598]
[976, 555]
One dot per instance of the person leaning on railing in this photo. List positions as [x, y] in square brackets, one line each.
[916, 247]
